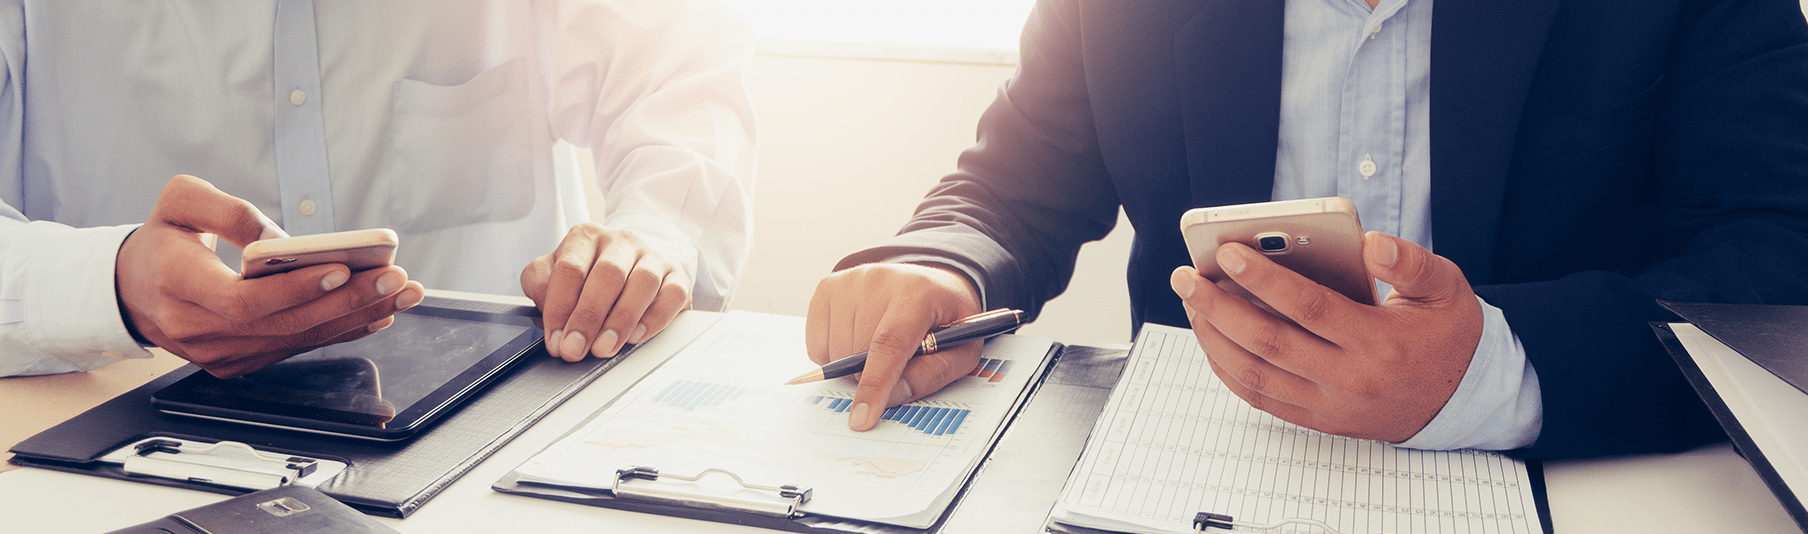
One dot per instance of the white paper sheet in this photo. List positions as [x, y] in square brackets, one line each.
[1767, 407]
[1173, 442]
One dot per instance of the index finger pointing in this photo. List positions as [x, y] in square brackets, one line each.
[893, 343]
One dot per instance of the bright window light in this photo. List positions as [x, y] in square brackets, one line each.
[970, 24]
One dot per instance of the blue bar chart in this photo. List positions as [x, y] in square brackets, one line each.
[928, 420]
[691, 395]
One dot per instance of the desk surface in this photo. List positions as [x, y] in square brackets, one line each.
[1706, 490]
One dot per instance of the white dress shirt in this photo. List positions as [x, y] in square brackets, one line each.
[1370, 70]
[436, 118]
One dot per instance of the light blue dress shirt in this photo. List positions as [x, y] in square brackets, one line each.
[1356, 123]
[441, 120]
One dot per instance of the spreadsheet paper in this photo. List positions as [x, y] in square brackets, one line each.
[1173, 442]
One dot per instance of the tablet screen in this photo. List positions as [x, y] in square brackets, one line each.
[380, 386]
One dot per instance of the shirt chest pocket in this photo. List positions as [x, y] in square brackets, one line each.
[461, 154]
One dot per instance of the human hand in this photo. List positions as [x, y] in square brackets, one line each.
[601, 288]
[175, 293]
[886, 309]
[1372, 372]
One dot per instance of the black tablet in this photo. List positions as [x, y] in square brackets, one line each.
[385, 386]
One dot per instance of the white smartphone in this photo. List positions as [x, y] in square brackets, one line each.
[1319, 238]
[358, 249]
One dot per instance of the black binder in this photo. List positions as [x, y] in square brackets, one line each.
[379, 478]
[281, 510]
[1775, 338]
[1011, 490]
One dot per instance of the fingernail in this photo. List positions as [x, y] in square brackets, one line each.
[388, 283]
[900, 394]
[1231, 261]
[640, 334]
[1190, 312]
[857, 418]
[271, 232]
[552, 342]
[408, 298]
[573, 346]
[605, 345]
[1388, 253]
[333, 280]
[1182, 282]
[379, 326]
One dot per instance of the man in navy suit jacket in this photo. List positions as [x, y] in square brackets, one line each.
[1586, 158]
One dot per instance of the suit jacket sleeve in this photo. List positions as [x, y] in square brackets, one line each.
[1029, 193]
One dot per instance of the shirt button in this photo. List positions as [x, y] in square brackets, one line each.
[1367, 167]
[307, 207]
[297, 97]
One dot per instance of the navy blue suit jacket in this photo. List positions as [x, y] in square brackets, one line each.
[1587, 158]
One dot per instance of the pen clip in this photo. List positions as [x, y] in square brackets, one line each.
[978, 317]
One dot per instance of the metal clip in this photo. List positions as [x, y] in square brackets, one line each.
[225, 463]
[790, 497]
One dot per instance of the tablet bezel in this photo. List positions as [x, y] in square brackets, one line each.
[180, 398]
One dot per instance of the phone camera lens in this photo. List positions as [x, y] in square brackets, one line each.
[1272, 243]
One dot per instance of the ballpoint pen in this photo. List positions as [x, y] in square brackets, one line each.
[973, 328]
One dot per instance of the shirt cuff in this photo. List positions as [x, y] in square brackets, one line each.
[1497, 406]
[67, 305]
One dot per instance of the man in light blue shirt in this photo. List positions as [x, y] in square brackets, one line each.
[1356, 123]
[440, 120]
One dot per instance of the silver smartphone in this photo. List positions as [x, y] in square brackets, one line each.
[358, 249]
[1319, 238]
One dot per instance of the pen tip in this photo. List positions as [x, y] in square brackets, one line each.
[811, 376]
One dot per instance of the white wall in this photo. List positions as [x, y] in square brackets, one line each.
[847, 149]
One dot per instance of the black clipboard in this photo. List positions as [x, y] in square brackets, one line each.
[1011, 490]
[1761, 333]
[379, 478]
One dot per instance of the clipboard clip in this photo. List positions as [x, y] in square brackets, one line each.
[752, 498]
[1207, 520]
[225, 463]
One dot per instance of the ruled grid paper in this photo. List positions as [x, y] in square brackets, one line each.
[1173, 442]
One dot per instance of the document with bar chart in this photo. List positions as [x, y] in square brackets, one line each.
[720, 403]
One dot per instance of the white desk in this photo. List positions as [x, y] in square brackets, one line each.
[1706, 490]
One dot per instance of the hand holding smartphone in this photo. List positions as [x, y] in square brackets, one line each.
[1319, 238]
[357, 249]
